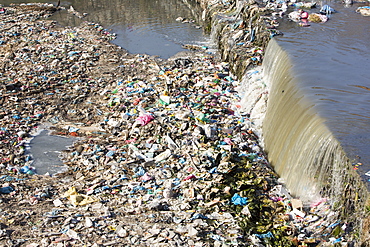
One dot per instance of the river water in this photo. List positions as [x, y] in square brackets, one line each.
[331, 62]
[143, 26]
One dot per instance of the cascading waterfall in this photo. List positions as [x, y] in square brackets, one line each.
[300, 146]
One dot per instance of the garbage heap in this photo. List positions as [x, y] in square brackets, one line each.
[165, 156]
[243, 29]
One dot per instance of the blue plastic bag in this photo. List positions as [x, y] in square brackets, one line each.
[238, 200]
[6, 190]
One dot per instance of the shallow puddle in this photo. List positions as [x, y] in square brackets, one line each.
[45, 150]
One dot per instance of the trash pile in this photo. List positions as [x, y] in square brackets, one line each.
[165, 156]
[364, 10]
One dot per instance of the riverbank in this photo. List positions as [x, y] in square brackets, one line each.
[233, 28]
[166, 156]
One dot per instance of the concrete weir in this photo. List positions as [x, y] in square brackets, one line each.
[300, 147]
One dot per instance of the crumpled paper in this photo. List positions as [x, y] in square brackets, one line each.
[78, 199]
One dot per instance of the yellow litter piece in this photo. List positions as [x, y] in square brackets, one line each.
[79, 199]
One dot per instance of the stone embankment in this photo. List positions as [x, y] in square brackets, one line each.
[165, 156]
[242, 29]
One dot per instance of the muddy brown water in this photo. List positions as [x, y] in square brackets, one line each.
[331, 63]
[142, 26]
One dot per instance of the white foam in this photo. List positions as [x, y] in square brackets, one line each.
[254, 94]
